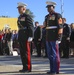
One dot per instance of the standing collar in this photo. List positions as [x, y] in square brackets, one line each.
[51, 13]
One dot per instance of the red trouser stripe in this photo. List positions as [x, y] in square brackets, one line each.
[28, 53]
[58, 58]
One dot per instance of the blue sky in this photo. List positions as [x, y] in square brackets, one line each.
[38, 7]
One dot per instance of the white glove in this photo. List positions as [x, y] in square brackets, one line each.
[30, 39]
[58, 42]
[68, 38]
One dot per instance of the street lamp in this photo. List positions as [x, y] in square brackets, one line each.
[62, 10]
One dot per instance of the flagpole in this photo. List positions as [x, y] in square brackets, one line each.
[62, 10]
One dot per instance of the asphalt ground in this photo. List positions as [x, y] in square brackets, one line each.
[10, 65]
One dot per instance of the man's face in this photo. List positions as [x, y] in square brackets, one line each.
[36, 24]
[21, 9]
[64, 21]
[50, 8]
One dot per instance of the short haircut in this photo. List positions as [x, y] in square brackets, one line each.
[36, 22]
[64, 19]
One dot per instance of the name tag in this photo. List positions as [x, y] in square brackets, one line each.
[22, 19]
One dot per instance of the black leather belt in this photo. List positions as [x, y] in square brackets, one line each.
[22, 28]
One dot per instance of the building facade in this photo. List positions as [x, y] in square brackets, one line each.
[8, 22]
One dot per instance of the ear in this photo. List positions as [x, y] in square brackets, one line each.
[60, 21]
[24, 9]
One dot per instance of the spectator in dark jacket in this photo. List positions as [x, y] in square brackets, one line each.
[64, 46]
[72, 39]
[72, 33]
[37, 38]
[44, 40]
[15, 39]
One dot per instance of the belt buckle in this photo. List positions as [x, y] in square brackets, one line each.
[24, 28]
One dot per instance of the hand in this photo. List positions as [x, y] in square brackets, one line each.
[30, 39]
[3, 41]
[39, 39]
[68, 38]
[58, 42]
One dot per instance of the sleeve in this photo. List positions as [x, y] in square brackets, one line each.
[18, 23]
[45, 22]
[60, 23]
[4, 37]
[45, 18]
[30, 26]
[60, 26]
[12, 36]
[68, 31]
[40, 32]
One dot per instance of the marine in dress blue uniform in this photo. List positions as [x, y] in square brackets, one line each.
[54, 29]
[25, 36]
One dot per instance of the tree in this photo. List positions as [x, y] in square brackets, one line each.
[30, 13]
[4, 16]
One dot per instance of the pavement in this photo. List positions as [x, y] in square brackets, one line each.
[10, 65]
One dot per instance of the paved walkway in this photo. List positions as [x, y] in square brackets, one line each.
[10, 65]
